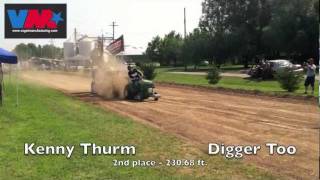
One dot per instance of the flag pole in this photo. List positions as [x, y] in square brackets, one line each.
[17, 86]
[1, 81]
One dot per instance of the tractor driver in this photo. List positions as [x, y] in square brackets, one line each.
[135, 77]
[134, 74]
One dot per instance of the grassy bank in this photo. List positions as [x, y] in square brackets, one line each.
[271, 86]
[48, 117]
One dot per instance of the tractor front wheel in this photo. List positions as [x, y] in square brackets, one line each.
[139, 97]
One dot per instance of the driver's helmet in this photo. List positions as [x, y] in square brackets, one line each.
[130, 68]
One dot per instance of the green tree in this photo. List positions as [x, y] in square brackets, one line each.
[26, 51]
[31, 49]
[39, 51]
[293, 29]
[196, 47]
[289, 79]
[153, 49]
[213, 75]
[171, 47]
[50, 51]
[22, 51]
[244, 30]
[47, 51]
[236, 26]
[149, 71]
[166, 50]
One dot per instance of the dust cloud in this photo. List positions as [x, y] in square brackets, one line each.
[111, 78]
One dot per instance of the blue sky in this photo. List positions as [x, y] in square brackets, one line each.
[139, 20]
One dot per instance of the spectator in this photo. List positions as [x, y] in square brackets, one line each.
[311, 74]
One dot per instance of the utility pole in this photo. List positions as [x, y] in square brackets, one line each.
[113, 27]
[75, 41]
[185, 23]
[52, 49]
[185, 31]
[75, 35]
[102, 45]
[1, 81]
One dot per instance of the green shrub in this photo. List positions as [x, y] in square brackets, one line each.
[155, 64]
[149, 71]
[214, 75]
[288, 79]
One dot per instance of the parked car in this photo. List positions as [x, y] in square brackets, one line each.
[282, 63]
[267, 68]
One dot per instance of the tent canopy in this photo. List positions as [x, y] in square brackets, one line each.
[7, 57]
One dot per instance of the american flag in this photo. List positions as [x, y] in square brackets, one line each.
[116, 46]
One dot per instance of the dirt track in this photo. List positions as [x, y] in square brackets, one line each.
[204, 117]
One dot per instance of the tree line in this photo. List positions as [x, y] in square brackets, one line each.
[26, 51]
[243, 32]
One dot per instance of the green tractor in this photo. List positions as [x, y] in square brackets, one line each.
[141, 90]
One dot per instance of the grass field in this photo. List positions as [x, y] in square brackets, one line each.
[271, 86]
[48, 117]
